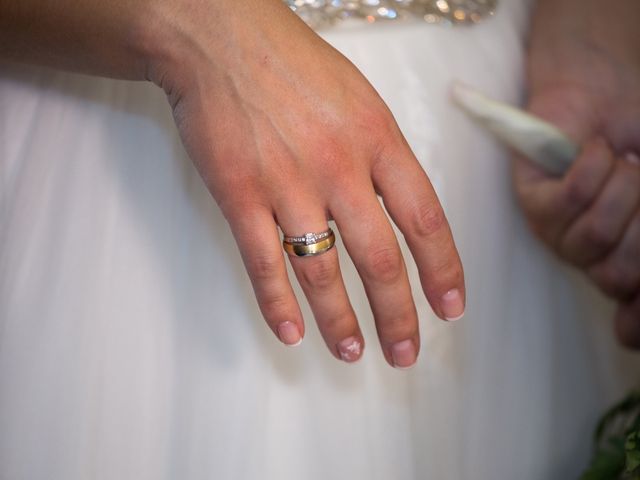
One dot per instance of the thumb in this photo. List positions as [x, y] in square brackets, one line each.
[571, 111]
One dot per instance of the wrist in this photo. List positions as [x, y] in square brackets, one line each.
[191, 38]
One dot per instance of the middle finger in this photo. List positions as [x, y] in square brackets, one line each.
[599, 229]
[373, 246]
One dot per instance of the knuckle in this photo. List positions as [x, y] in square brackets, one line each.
[577, 195]
[321, 274]
[599, 237]
[397, 328]
[375, 118]
[378, 127]
[328, 152]
[427, 218]
[385, 264]
[337, 323]
[448, 273]
[240, 212]
[264, 267]
[276, 308]
[617, 282]
[334, 165]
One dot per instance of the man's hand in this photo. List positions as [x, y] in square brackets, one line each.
[585, 78]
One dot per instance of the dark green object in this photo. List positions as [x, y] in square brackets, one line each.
[617, 443]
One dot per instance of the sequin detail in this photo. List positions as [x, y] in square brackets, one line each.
[320, 14]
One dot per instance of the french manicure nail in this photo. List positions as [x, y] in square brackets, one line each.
[350, 349]
[289, 334]
[452, 305]
[403, 354]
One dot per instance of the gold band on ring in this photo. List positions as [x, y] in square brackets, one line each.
[309, 249]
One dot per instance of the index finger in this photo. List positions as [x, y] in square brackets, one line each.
[557, 202]
[414, 207]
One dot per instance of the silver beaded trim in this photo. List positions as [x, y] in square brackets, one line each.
[321, 14]
[308, 238]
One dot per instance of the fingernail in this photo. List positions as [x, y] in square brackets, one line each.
[404, 354]
[289, 334]
[452, 305]
[350, 349]
[632, 158]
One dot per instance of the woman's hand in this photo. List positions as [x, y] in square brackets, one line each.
[585, 78]
[287, 132]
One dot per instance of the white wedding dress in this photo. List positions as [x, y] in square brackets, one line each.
[131, 346]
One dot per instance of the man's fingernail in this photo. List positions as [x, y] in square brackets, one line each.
[403, 354]
[289, 334]
[452, 305]
[632, 158]
[350, 349]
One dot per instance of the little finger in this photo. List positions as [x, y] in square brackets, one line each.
[264, 261]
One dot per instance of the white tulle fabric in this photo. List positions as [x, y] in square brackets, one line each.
[131, 346]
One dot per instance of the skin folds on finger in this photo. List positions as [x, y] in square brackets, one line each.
[600, 228]
[618, 275]
[552, 204]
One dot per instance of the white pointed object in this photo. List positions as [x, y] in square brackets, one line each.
[539, 141]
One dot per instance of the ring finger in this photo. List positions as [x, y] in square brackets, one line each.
[321, 280]
[266, 268]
